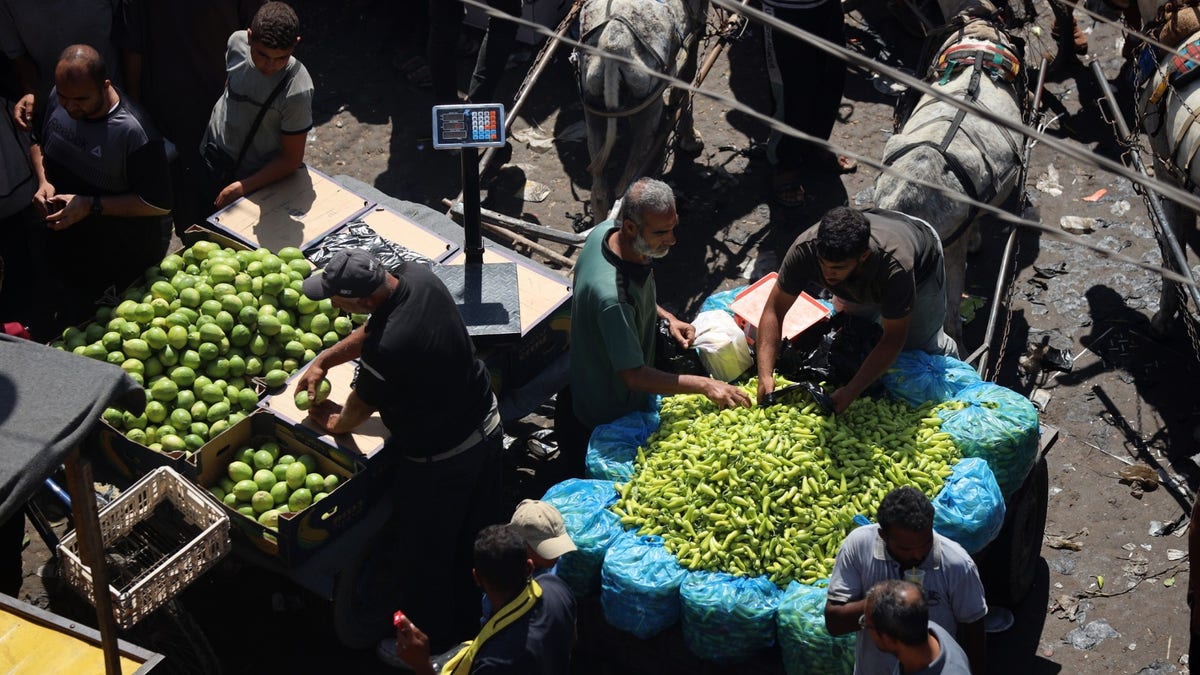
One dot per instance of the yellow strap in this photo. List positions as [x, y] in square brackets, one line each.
[460, 663]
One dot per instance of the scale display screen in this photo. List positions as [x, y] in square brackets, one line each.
[474, 125]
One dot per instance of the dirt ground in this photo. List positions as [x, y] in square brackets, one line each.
[1127, 399]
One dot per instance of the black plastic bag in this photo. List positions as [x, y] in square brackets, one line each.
[670, 357]
[831, 351]
[358, 234]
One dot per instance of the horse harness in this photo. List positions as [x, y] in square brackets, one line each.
[666, 70]
[1174, 71]
[1001, 64]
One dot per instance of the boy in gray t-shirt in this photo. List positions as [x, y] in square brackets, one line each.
[258, 61]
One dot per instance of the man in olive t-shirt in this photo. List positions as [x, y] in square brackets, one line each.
[878, 264]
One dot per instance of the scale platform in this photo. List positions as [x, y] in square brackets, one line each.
[488, 299]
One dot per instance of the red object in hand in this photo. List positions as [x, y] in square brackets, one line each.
[398, 618]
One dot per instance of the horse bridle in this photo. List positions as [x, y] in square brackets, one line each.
[662, 67]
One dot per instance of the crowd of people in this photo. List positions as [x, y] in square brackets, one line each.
[127, 118]
[135, 119]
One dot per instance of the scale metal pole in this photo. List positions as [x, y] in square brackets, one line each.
[472, 223]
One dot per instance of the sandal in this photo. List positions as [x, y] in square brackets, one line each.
[415, 71]
[787, 189]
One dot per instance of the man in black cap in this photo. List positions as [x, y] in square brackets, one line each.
[417, 367]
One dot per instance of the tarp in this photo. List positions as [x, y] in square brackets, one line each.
[49, 401]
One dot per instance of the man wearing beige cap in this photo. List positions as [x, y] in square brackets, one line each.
[541, 526]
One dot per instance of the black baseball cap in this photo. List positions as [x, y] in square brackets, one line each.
[350, 273]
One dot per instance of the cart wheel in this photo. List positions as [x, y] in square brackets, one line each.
[173, 632]
[1009, 564]
[364, 597]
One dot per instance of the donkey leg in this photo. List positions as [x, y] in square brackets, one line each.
[643, 151]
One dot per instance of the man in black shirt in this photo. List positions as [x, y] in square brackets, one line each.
[418, 368]
[103, 187]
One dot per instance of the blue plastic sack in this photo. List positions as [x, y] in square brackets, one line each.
[916, 377]
[998, 425]
[584, 508]
[809, 649]
[639, 585]
[722, 300]
[726, 618]
[970, 507]
[613, 446]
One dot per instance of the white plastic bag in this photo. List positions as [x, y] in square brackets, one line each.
[722, 345]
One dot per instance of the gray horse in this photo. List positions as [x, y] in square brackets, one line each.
[661, 36]
[1167, 105]
[961, 152]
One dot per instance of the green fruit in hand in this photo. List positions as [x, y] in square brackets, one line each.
[301, 400]
[323, 390]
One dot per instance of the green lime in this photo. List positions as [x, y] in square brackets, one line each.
[240, 471]
[265, 479]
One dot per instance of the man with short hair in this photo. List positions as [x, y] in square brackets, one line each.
[533, 633]
[239, 158]
[904, 543]
[419, 370]
[33, 33]
[897, 619]
[103, 187]
[614, 312]
[878, 264]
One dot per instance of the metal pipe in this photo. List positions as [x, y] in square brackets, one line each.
[984, 351]
[1152, 197]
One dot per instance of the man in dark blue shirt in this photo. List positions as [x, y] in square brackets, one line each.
[532, 632]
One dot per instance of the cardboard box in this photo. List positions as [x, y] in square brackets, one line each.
[130, 460]
[748, 306]
[357, 447]
[300, 534]
[296, 211]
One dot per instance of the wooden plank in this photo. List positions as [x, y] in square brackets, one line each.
[366, 439]
[292, 212]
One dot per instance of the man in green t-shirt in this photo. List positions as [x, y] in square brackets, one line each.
[613, 317]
